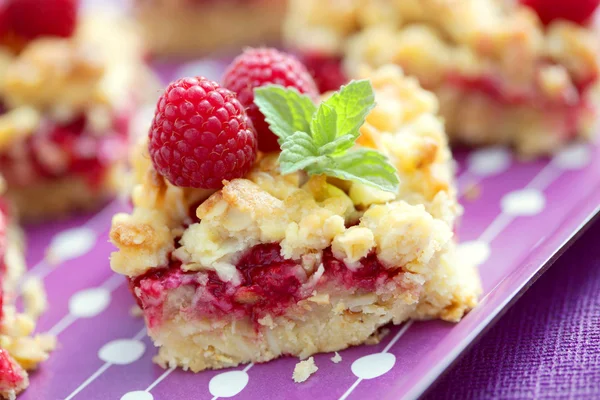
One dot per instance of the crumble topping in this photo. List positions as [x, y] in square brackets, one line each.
[305, 215]
[304, 369]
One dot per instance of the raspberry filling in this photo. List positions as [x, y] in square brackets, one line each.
[60, 150]
[269, 285]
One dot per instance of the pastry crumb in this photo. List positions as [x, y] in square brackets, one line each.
[336, 358]
[304, 369]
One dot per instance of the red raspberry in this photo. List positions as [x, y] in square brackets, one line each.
[326, 71]
[201, 135]
[578, 11]
[33, 18]
[259, 67]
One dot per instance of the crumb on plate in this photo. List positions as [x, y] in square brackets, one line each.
[304, 369]
[336, 358]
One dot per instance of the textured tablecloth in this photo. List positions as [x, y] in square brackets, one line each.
[547, 345]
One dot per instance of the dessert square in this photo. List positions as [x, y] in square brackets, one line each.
[67, 98]
[192, 27]
[273, 263]
[20, 349]
[522, 73]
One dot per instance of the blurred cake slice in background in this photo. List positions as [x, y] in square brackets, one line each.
[68, 87]
[522, 73]
[200, 27]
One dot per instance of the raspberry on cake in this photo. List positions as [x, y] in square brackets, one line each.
[67, 87]
[20, 351]
[348, 228]
[259, 67]
[522, 73]
[191, 27]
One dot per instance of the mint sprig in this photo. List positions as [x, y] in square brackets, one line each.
[320, 140]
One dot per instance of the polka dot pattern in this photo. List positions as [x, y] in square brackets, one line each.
[489, 161]
[228, 384]
[373, 365]
[138, 395]
[71, 244]
[89, 303]
[522, 203]
[122, 351]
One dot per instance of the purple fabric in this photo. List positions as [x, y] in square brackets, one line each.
[547, 345]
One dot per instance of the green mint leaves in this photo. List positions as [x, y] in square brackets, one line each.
[320, 140]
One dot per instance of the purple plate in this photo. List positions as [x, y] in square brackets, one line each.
[518, 217]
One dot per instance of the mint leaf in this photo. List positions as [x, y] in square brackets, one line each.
[366, 166]
[317, 140]
[298, 152]
[352, 105]
[285, 109]
[324, 125]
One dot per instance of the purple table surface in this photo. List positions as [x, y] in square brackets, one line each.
[547, 345]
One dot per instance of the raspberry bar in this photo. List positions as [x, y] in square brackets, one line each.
[68, 87]
[345, 228]
[522, 73]
[191, 27]
[19, 350]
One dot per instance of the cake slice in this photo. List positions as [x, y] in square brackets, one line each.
[192, 27]
[522, 73]
[68, 87]
[296, 253]
[20, 350]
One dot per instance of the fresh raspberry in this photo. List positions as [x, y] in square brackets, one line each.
[201, 135]
[33, 18]
[578, 11]
[263, 66]
[326, 71]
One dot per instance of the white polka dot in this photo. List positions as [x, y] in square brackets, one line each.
[489, 161]
[575, 156]
[524, 202]
[89, 302]
[138, 395]
[71, 243]
[122, 351]
[476, 251]
[209, 69]
[228, 384]
[373, 365]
